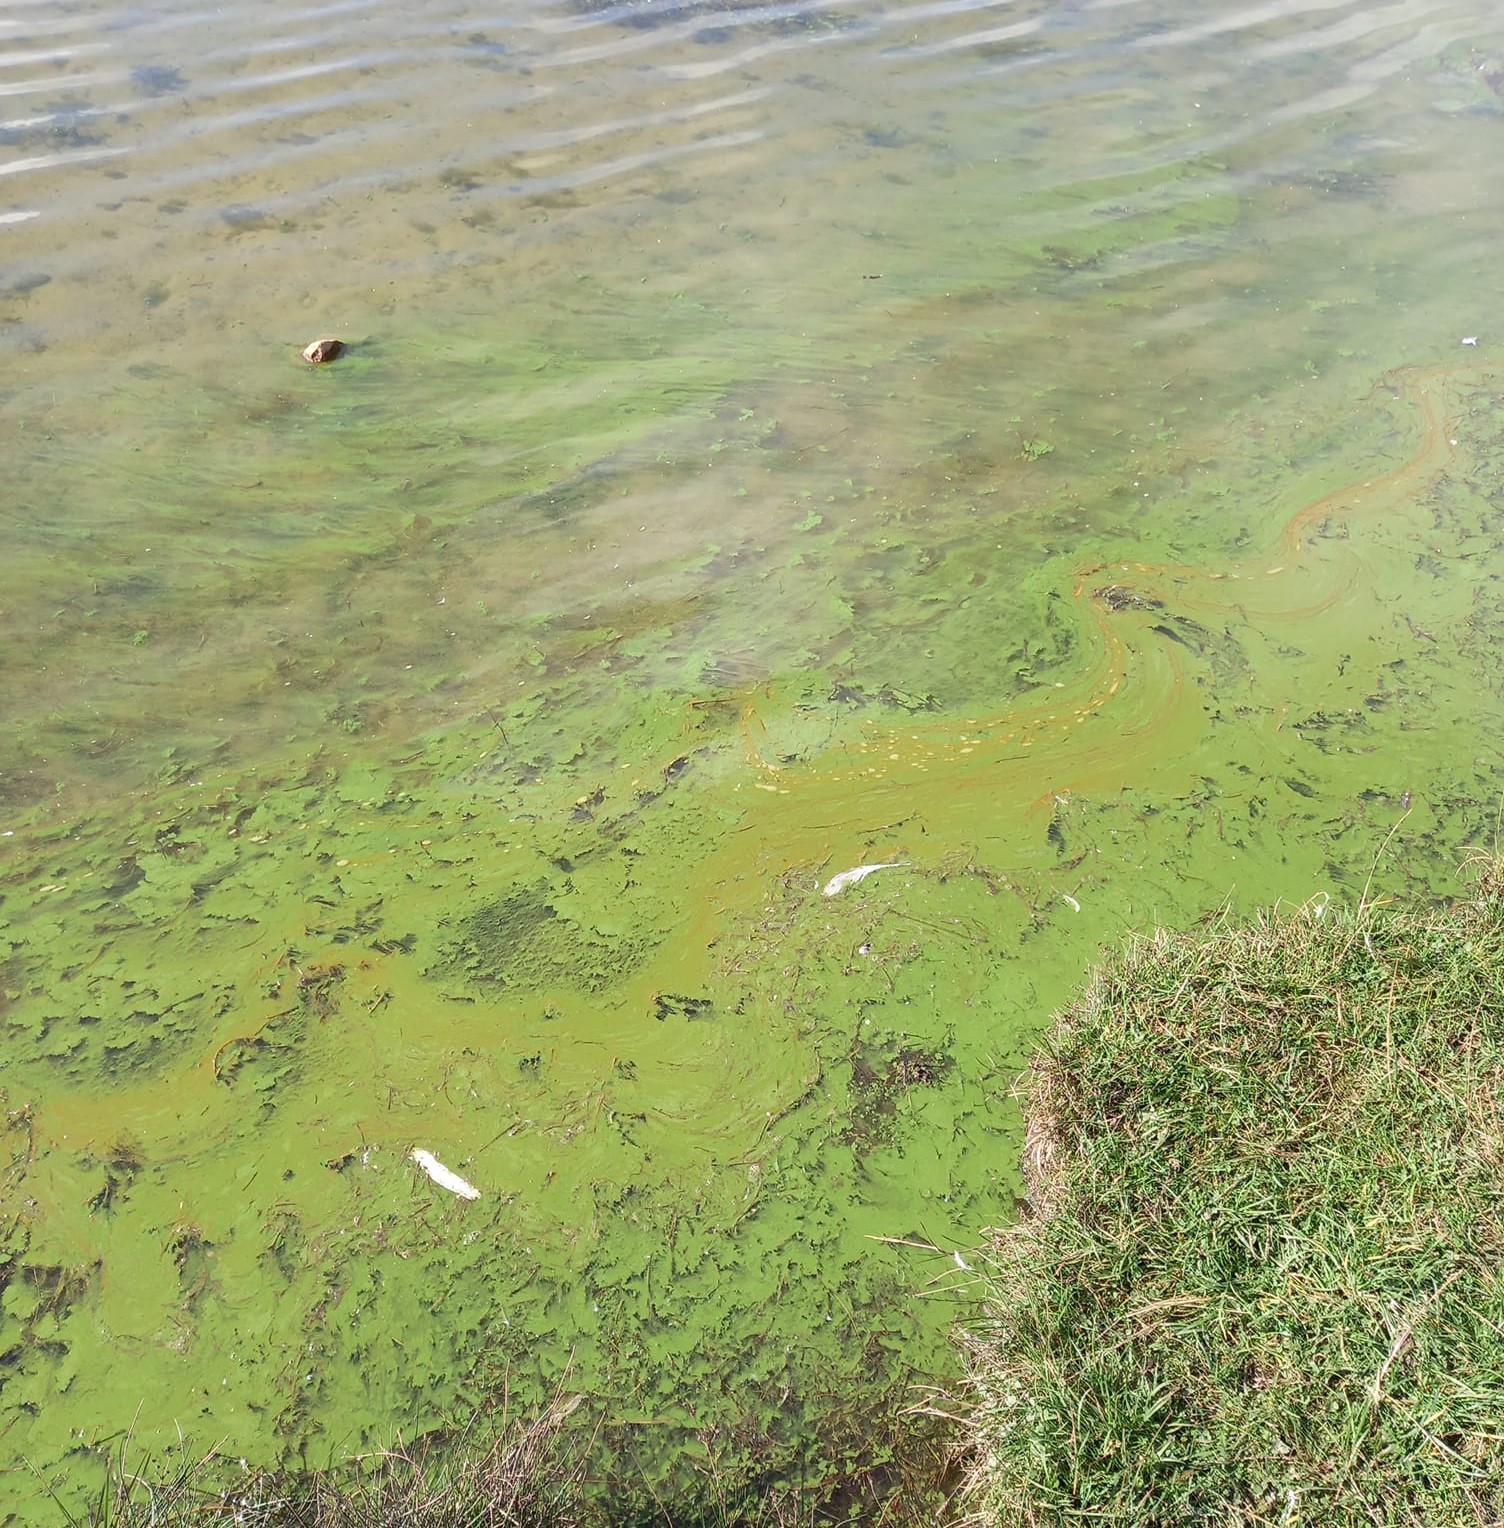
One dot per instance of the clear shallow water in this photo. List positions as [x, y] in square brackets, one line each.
[1031, 444]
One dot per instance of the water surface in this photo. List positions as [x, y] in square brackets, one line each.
[1034, 445]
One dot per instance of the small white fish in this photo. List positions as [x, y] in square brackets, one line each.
[1070, 901]
[1471, 339]
[442, 1175]
[839, 883]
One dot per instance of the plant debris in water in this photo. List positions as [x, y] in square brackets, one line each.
[562, 1467]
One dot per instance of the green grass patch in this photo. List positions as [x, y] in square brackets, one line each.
[1261, 1279]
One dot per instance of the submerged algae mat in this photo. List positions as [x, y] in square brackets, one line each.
[728, 1132]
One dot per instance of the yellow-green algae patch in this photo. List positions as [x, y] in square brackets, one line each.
[662, 1144]
[574, 943]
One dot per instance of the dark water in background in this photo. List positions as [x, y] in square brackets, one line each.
[1032, 444]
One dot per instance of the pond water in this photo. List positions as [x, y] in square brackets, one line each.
[1053, 450]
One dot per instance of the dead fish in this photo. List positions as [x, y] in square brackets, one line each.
[838, 883]
[443, 1176]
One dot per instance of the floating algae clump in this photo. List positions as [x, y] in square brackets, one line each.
[523, 941]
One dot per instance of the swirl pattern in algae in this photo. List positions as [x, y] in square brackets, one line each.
[574, 945]
[1132, 710]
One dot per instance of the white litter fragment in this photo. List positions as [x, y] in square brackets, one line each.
[839, 883]
[442, 1175]
[961, 1262]
[1471, 339]
[1070, 901]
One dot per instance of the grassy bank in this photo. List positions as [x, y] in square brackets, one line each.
[1262, 1276]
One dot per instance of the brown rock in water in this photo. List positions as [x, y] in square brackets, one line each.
[321, 351]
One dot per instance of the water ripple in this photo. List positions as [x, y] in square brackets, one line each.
[361, 125]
